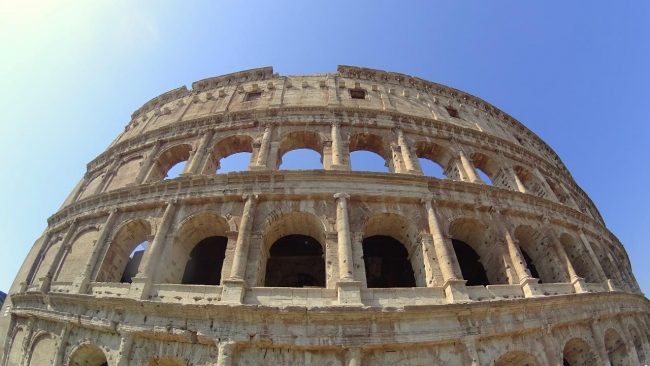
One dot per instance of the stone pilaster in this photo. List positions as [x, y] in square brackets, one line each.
[599, 341]
[349, 291]
[407, 157]
[353, 357]
[599, 269]
[265, 146]
[337, 151]
[44, 282]
[62, 344]
[126, 343]
[195, 164]
[147, 163]
[233, 291]
[468, 167]
[577, 281]
[225, 353]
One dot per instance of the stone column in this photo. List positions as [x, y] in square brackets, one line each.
[233, 291]
[427, 250]
[577, 281]
[518, 182]
[225, 353]
[265, 146]
[148, 162]
[599, 341]
[406, 153]
[44, 282]
[468, 167]
[353, 357]
[346, 266]
[194, 165]
[80, 284]
[146, 275]
[337, 153]
[108, 176]
[126, 343]
[62, 345]
[470, 346]
[451, 274]
[599, 269]
[545, 184]
[526, 281]
[633, 356]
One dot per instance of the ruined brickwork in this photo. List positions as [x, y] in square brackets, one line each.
[267, 266]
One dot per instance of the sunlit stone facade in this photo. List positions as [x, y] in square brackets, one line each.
[503, 261]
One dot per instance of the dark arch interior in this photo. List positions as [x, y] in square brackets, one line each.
[470, 264]
[295, 261]
[386, 262]
[530, 265]
[134, 262]
[206, 260]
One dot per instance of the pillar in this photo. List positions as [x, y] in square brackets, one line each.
[143, 280]
[337, 152]
[62, 345]
[349, 290]
[633, 356]
[110, 172]
[576, 281]
[470, 347]
[520, 185]
[353, 357]
[194, 165]
[547, 187]
[44, 282]
[147, 162]
[126, 343]
[468, 167]
[80, 285]
[599, 269]
[265, 146]
[406, 153]
[233, 291]
[526, 281]
[426, 243]
[599, 341]
[225, 351]
[454, 283]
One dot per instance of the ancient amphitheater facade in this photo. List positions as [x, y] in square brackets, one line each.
[330, 266]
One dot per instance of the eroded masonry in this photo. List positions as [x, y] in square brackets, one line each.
[502, 260]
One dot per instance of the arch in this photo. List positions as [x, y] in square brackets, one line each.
[126, 173]
[637, 341]
[76, 258]
[92, 185]
[479, 256]
[299, 140]
[388, 246]
[615, 347]
[516, 358]
[47, 260]
[579, 257]
[167, 159]
[370, 143]
[293, 248]
[122, 259]
[488, 166]
[192, 231]
[15, 355]
[541, 256]
[577, 352]
[530, 182]
[437, 154]
[225, 148]
[87, 354]
[42, 350]
[558, 190]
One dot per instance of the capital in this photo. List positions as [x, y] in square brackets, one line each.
[341, 195]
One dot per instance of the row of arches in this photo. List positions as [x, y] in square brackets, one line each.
[575, 351]
[364, 151]
[295, 251]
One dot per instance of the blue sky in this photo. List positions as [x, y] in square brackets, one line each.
[576, 73]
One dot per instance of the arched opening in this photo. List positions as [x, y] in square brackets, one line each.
[484, 177]
[434, 160]
[541, 259]
[42, 350]
[301, 159]
[368, 152]
[637, 340]
[516, 358]
[121, 262]
[577, 352]
[231, 154]
[88, 355]
[558, 190]
[386, 263]
[579, 257]
[295, 261]
[300, 150]
[529, 181]
[197, 253]
[170, 163]
[76, 258]
[125, 174]
[486, 168]
[47, 259]
[615, 347]
[294, 251]
[479, 256]
[470, 264]
[206, 261]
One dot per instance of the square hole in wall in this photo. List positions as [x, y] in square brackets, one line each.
[452, 112]
[252, 96]
[357, 94]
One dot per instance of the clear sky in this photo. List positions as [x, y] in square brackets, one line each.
[72, 72]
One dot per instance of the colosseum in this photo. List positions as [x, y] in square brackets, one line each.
[501, 260]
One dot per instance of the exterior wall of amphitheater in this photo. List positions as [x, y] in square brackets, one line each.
[68, 304]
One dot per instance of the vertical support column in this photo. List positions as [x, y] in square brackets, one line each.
[468, 167]
[526, 281]
[110, 172]
[599, 269]
[337, 153]
[577, 281]
[406, 153]
[145, 168]
[599, 341]
[233, 291]
[470, 347]
[428, 250]
[44, 282]
[520, 185]
[633, 356]
[80, 284]
[126, 343]
[194, 165]
[141, 283]
[454, 283]
[225, 353]
[62, 345]
[349, 291]
[265, 146]
[547, 186]
[353, 357]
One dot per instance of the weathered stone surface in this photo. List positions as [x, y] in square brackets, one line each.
[391, 268]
